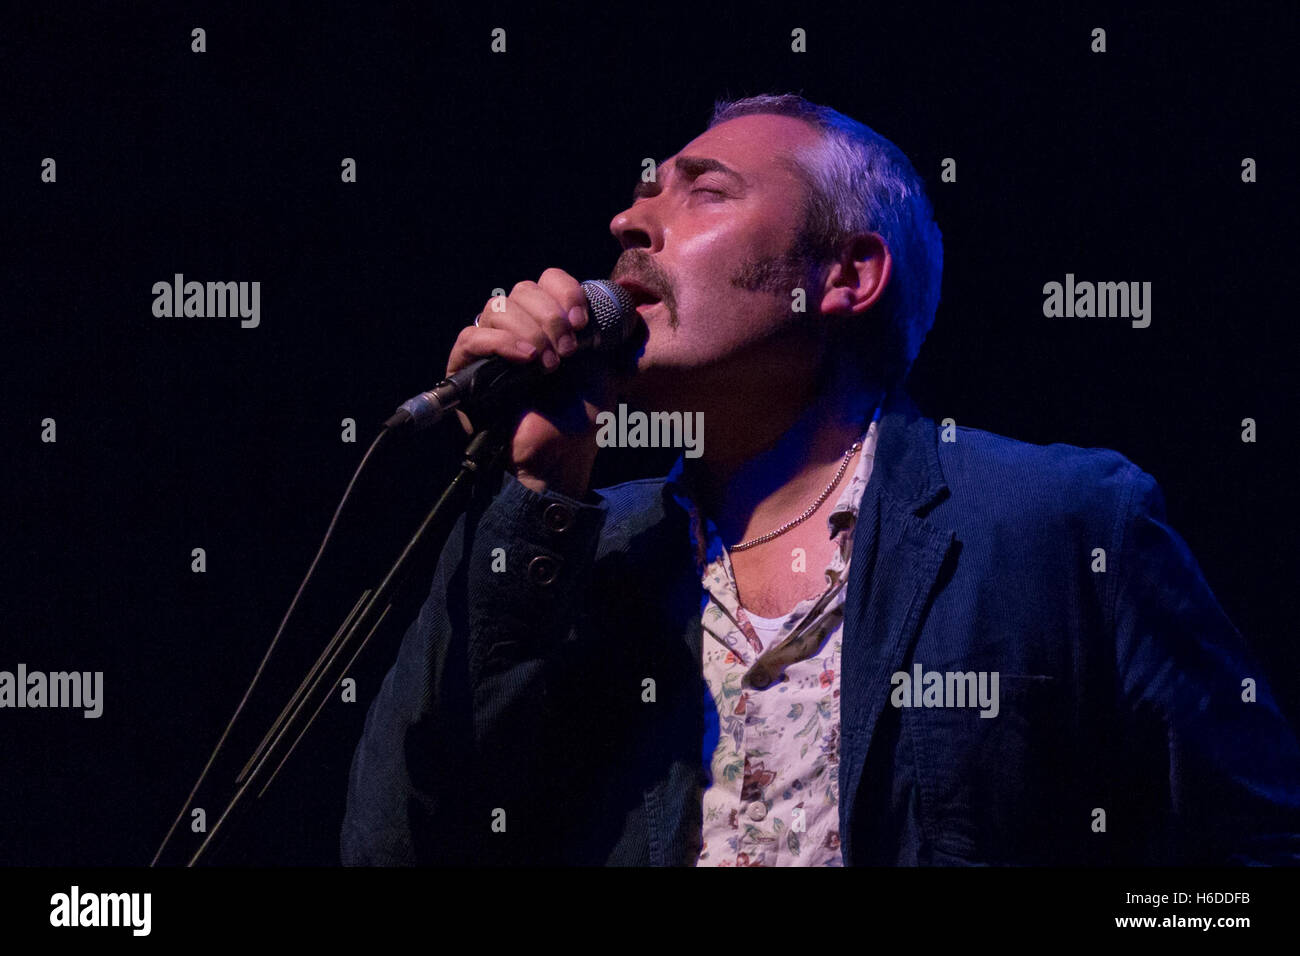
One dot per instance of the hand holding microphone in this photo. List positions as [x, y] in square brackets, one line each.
[514, 351]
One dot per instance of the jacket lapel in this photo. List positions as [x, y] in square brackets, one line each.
[897, 556]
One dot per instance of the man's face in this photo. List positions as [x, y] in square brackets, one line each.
[712, 243]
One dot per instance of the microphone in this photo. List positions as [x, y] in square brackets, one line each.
[613, 319]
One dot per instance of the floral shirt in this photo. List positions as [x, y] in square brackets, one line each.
[771, 747]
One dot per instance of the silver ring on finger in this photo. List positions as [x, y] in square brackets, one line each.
[476, 318]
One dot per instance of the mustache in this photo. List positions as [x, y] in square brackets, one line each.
[640, 267]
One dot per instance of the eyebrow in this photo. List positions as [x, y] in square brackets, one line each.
[688, 167]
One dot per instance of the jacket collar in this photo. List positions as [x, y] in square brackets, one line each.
[907, 455]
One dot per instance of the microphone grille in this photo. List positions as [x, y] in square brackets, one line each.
[612, 310]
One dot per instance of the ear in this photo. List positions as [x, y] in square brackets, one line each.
[857, 279]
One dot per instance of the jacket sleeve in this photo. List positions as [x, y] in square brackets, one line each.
[1210, 727]
[449, 769]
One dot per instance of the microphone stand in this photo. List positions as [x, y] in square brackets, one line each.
[481, 458]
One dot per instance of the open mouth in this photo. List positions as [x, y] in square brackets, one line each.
[641, 295]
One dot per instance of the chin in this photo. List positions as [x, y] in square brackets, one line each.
[665, 383]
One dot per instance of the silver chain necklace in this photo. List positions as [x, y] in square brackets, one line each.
[811, 508]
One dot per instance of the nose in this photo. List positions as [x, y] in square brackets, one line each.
[637, 226]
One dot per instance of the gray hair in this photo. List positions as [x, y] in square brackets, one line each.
[860, 182]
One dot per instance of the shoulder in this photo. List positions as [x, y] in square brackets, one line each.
[969, 453]
[1043, 486]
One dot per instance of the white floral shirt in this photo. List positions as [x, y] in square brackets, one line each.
[772, 740]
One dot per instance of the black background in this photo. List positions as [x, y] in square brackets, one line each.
[477, 170]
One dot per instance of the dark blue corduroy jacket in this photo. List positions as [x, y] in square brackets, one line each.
[513, 728]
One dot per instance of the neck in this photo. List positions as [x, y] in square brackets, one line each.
[763, 470]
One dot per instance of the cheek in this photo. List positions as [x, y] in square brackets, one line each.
[710, 247]
[706, 253]
[722, 252]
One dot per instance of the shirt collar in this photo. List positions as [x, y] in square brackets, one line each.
[846, 505]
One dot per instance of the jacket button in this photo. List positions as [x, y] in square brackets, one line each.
[557, 517]
[757, 810]
[543, 569]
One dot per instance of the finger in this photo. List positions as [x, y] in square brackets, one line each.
[476, 343]
[567, 291]
[518, 319]
[549, 315]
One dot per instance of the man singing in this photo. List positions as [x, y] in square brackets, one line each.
[842, 634]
